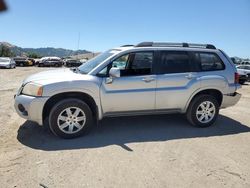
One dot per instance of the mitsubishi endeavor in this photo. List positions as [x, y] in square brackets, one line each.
[148, 78]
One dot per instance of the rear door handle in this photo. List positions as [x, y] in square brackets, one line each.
[190, 76]
[148, 79]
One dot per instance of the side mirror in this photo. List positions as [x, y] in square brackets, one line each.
[115, 72]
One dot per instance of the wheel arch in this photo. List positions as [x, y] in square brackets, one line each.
[210, 91]
[60, 96]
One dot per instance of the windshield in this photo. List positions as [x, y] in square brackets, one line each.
[3, 60]
[92, 63]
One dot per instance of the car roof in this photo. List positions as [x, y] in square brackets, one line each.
[168, 46]
[164, 48]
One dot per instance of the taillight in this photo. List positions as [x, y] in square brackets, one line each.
[236, 77]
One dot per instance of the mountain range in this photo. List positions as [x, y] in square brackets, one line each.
[46, 51]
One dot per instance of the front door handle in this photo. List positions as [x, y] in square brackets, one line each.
[148, 79]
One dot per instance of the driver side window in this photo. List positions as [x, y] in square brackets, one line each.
[132, 64]
[121, 62]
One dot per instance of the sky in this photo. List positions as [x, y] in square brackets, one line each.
[104, 24]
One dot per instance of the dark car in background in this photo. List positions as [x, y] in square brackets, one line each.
[50, 62]
[72, 63]
[22, 61]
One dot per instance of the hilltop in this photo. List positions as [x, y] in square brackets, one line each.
[45, 51]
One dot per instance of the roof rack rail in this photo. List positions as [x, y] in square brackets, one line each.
[170, 44]
[144, 44]
[208, 46]
[127, 45]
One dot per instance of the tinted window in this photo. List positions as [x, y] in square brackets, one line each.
[209, 61]
[142, 60]
[139, 63]
[173, 62]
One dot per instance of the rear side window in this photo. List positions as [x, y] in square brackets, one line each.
[209, 61]
[173, 62]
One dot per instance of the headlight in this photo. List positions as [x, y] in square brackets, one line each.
[32, 89]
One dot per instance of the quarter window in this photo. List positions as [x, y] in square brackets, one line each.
[209, 61]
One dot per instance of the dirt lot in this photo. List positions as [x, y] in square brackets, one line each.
[146, 151]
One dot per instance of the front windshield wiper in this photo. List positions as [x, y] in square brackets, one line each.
[77, 70]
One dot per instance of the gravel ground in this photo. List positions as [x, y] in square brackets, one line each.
[144, 151]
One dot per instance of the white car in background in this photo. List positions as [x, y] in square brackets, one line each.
[6, 62]
[245, 69]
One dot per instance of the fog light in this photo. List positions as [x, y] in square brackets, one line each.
[21, 108]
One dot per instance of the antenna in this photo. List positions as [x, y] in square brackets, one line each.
[78, 42]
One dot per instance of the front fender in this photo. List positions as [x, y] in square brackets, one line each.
[89, 88]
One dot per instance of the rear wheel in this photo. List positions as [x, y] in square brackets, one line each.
[21, 64]
[70, 118]
[203, 111]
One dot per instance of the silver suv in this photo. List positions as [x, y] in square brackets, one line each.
[149, 78]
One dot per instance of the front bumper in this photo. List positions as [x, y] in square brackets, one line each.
[4, 66]
[230, 99]
[30, 108]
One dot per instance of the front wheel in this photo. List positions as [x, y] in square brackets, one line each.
[242, 82]
[203, 111]
[70, 118]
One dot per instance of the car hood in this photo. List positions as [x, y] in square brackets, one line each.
[53, 76]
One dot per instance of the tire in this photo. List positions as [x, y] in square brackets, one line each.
[21, 64]
[195, 111]
[63, 114]
[242, 82]
[56, 65]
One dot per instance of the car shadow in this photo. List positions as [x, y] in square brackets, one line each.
[123, 130]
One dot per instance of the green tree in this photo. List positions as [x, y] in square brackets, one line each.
[6, 52]
[33, 55]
